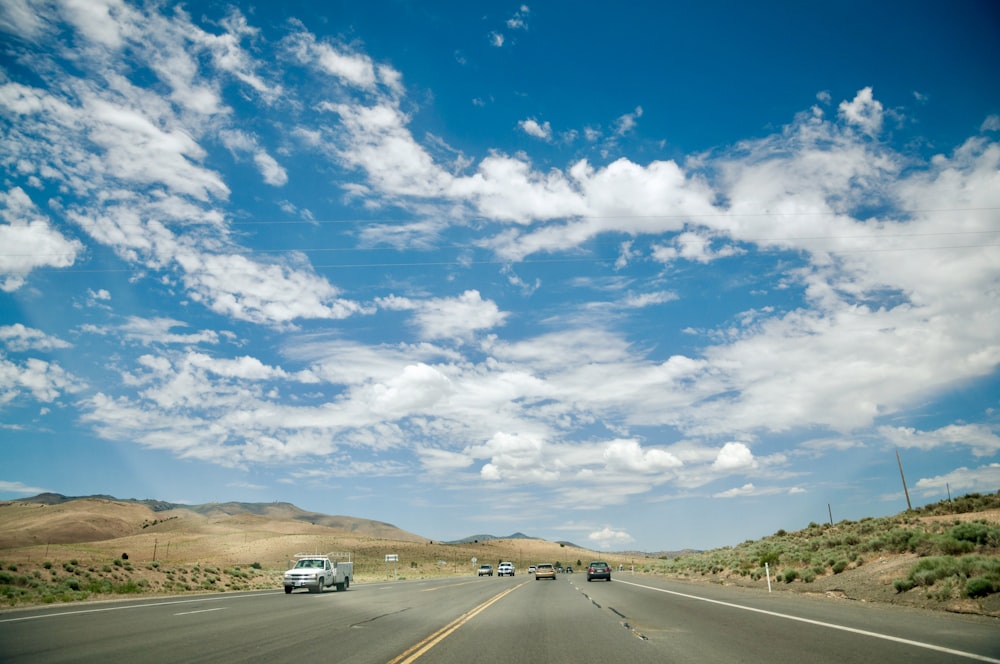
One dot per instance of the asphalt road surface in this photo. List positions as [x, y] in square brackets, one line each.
[485, 620]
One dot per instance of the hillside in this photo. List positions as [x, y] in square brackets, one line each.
[68, 549]
[101, 524]
[944, 556]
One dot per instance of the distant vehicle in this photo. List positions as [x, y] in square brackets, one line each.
[531, 570]
[598, 570]
[569, 569]
[545, 571]
[505, 569]
[317, 571]
[486, 570]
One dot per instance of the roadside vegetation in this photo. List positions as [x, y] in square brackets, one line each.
[959, 557]
[71, 581]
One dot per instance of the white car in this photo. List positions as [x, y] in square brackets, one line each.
[505, 569]
[486, 570]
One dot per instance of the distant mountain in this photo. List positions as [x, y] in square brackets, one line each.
[276, 510]
[487, 538]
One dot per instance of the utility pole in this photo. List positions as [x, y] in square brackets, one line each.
[908, 505]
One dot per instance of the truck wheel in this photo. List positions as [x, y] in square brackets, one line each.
[288, 590]
[340, 587]
[347, 582]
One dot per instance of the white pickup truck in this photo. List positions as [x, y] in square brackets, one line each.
[317, 571]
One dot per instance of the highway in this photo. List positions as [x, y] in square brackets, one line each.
[632, 619]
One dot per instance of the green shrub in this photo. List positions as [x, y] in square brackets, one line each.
[902, 585]
[839, 566]
[791, 575]
[980, 587]
[770, 557]
[950, 546]
[975, 532]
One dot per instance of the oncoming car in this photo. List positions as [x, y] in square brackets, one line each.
[486, 570]
[545, 571]
[598, 570]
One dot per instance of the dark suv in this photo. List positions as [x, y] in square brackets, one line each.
[598, 570]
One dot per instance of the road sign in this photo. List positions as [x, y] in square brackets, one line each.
[392, 557]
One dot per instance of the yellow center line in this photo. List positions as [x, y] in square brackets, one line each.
[417, 650]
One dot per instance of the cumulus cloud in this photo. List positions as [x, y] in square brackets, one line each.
[607, 538]
[863, 112]
[734, 456]
[983, 479]
[889, 301]
[629, 456]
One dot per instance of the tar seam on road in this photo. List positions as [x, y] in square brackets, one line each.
[414, 652]
[843, 628]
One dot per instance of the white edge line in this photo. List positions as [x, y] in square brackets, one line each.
[843, 628]
[188, 613]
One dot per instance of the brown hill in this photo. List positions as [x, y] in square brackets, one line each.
[99, 529]
[55, 519]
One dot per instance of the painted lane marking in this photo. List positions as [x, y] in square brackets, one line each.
[819, 623]
[188, 613]
[417, 650]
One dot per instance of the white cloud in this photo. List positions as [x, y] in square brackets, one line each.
[29, 241]
[749, 489]
[983, 479]
[734, 456]
[419, 387]
[642, 300]
[20, 487]
[531, 127]
[864, 112]
[35, 378]
[19, 338]
[607, 538]
[456, 318]
[270, 169]
[628, 456]
[980, 439]
[627, 123]
[354, 69]
[519, 21]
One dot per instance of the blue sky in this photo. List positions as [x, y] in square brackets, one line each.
[636, 277]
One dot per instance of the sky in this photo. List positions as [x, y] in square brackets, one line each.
[640, 276]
